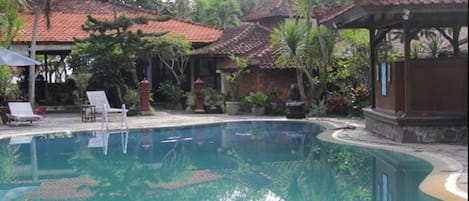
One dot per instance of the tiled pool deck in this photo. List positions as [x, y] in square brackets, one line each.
[454, 157]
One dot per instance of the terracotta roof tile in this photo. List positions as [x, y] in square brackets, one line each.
[249, 40]
[66, 23]
[239, 40]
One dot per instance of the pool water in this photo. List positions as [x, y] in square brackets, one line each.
[258, 160]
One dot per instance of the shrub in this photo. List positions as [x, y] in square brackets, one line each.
[171, 92]
[132, 99]
[318, 110]
[337, 104]
[257, 99]
[212, 97]
[360, 99]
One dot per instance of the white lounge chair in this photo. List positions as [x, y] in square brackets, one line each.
[21, 111]
[101, 139]
[99, 100]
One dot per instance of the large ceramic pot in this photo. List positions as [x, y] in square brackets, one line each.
[258, 110]
[232, 107]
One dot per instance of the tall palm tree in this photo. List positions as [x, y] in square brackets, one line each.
[221, 13]
[288, 42]
[32, 68]
[11, 20]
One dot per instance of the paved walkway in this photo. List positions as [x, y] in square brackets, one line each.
[63, 122]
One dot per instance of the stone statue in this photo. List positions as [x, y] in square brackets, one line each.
[294, 93]
[295, 106]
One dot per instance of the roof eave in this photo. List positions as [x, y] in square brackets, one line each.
[357, 16]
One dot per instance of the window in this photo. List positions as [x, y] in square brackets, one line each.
[383, 69]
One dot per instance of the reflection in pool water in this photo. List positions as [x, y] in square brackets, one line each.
[272, 160]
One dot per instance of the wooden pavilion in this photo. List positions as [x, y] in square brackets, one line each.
[413, 100]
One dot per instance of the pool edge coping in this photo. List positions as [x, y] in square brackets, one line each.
[444, 174]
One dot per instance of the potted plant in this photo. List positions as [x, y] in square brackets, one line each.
[8, 90]
[212, 100]
[233, 105]
[257, 100]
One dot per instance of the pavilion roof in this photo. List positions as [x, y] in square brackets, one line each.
[250, 40]
[389, 13]
[67, 16]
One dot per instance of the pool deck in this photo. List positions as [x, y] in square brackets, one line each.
[455, 156]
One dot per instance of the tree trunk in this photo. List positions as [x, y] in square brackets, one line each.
[325, 59]
[32, 68]
[299, 79]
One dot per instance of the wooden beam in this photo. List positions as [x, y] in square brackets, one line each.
[407, 70]
[372, 67]
[380, 36]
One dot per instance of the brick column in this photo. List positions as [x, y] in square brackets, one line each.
[199, 100]
[144, 95]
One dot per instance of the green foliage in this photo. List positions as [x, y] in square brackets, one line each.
[233, 78]
[312, 55]
[132, 99]
[8, 157]
[338, 104]
[348, 101]
[172, 92]
[287, 43]
[257, 98]
[433, 45]
[416, 50]
[182, 9]
[11, 21]
[318, 109]
[212, 97]
[8, 89]
[246, 6]
[357, 60]
[360, 99]
[81, 82]
[217, 13]
[110, 52]
[174, 52]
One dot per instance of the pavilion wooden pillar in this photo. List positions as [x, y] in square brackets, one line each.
[407, 70]
[372, 66]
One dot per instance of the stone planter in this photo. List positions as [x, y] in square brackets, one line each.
[258, 110]
[232, 107]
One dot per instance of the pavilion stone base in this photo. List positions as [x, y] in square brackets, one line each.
[411, 130]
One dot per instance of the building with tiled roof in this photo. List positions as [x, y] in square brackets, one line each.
[270, 13]
[270, 9]
[251, 40]
[67, 16]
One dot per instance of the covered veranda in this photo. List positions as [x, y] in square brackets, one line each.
[413, 100]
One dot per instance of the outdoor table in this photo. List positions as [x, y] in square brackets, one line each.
[88, 113]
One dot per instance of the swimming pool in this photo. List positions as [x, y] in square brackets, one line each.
[247, 160]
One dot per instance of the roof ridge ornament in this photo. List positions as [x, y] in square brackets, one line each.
[406, 14]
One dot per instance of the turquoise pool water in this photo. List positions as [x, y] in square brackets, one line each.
[259, 160]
